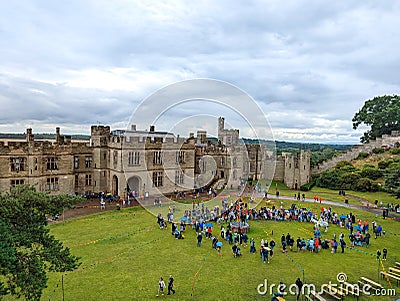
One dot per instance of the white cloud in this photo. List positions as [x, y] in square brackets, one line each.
[309, 65]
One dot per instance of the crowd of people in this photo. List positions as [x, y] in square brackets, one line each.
[200, 219]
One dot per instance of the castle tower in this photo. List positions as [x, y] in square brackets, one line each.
[29, 136]
[201, 137]
[297, 169]
[221, 123]
[221, 128]
[58, 135]
[100, 137]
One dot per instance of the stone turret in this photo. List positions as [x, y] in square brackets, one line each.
[100, 135]
[201, 137]
[29, 136]
[221, 123]
[297, 169]
[58, 136]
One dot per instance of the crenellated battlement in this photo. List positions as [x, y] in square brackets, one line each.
[100, 130]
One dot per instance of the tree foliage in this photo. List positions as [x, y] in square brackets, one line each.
[319, 156]
[392, 179]
[381, 113]
[371, 173]
[28, 250]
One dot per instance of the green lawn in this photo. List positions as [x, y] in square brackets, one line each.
[332, 195]
[124, 253]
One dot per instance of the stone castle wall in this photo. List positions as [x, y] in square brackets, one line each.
[109, 170]
[355, 151]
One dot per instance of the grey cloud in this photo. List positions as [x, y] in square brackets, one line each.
[309, 60]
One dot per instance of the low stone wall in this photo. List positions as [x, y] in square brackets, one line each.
[355, 151]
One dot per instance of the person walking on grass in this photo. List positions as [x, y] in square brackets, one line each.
[161, 286]
[171, 285]
[299, 285]
[378, 254]
[384, 251]
[342, 245]
[252, 246]
[199, 239]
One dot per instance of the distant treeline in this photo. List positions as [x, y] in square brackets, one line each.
[319, 152]
[298, 145]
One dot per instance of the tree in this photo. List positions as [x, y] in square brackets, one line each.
[328, 179]
[392, 179]
[371, 173]
[28, 250]
[381, 113]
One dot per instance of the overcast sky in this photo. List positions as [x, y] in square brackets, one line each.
[309, 65]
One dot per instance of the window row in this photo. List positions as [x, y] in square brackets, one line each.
[52, 163]
[158, 178]
[158, 157]
[20, 163]
[88, 162]
[88, 180]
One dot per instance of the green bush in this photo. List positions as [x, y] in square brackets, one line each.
[384, 163]
[343, 164]
[308, 186]
[347, 180]
[348, 169]
[371, 173]
[362, 155]
[378, 150]
[328, 179]
[395, 151]
[376, 186]
[392, 179]
[368, 165]
[363, 184]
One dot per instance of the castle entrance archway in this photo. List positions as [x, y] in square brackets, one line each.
[134, 185]
[114, 185]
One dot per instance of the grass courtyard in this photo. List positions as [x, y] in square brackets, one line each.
[124, 253]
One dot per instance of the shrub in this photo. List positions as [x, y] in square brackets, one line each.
[392, 179]
[376, 186]
[308, 186]
[363, 184]
[348, 169]
[384, 163]
[343, 164]
[378, 150]
[371, 173]
[395, 151]
[348, 180]
[367, 165]
[362, 155]
[328, 179]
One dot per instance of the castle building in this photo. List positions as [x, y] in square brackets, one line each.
[143, 163]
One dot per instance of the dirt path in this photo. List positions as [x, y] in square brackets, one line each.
[88, 207]
[367, 207]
